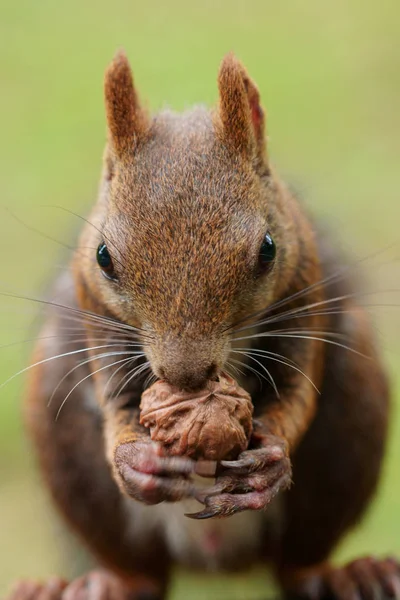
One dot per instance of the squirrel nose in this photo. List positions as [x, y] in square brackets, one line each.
[188, 378]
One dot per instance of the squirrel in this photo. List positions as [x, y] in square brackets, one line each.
[198, 260]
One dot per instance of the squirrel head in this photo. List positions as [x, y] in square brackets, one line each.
[193, 229]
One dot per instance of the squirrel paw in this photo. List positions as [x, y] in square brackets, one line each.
[96, 585]
[363, 579]
[249, 483]
[145, 475]
[103, 585]
[32, 590]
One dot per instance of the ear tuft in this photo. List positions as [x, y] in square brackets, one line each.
[126, 120]
[240, 111]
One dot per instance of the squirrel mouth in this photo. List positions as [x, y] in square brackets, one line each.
[213, 423]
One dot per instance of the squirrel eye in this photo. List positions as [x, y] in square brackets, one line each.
[104, 261]
[267, 253]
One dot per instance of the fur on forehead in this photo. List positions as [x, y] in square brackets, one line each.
[184, 162]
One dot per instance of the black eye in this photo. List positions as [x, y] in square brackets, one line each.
[267, 253]
[105, 261]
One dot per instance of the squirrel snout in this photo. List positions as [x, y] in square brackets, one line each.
[188, 377]
[187, 363]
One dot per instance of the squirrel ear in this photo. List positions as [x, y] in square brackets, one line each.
[240, 111]
[127, 122]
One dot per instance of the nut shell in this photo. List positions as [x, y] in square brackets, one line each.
[214, 423]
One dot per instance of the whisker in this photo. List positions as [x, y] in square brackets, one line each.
[236, 369]
[123, 379]
[141, 373]
[139, 369]
[287, 364]
[305, 309]
[73, 340]
[264, 368]
[71, 212]
[149, 380]
[309, 330]
[114, 327]
[267, 353]
[80, 313]
[50, 358]
[44, 235]
[228, 370]
[252, 369]
[326, 281]
[83, 363]
[306, 337]
[91, 374]
[127, 364]
[96, 321]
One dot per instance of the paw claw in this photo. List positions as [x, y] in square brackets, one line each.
[203, 514]
[252, 459]
[232, 464]
[251, 485]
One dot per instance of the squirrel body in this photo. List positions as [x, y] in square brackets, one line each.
[206, 262]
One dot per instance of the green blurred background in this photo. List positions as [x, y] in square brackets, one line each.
[329, 75]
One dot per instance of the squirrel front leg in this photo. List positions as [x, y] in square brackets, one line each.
[252, 481]
[138, 466]
[289, 416]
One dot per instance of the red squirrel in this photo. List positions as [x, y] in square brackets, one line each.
[197, 260]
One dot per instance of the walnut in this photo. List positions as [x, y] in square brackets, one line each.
[214, 423]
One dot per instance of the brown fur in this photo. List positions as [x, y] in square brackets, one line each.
[240, 112]
[127, 121]
[184, 204]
